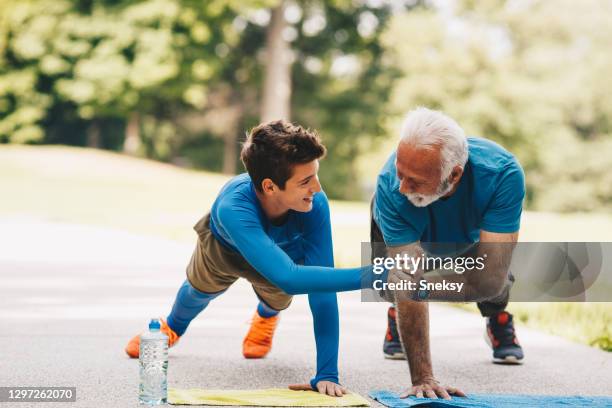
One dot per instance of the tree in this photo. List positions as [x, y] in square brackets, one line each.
[276, 98]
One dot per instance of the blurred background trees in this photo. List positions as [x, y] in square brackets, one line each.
[183, 80]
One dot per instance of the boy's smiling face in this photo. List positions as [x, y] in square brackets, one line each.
[299, 190]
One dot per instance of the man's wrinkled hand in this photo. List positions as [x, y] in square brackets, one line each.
[432, 389]
[324, 387]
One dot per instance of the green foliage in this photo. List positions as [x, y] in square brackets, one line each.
[87, 61]
[189, 69]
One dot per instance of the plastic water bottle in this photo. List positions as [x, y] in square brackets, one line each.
[153, 366]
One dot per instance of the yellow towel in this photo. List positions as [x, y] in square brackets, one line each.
[275, 397]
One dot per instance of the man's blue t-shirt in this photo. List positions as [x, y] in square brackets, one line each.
[489, 197]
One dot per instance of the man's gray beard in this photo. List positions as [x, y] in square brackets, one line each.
[423, 200]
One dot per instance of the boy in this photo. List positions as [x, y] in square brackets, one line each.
[271, 227]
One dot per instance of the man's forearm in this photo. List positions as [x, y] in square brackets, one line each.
[413, 326]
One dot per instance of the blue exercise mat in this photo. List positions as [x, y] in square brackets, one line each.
[392, 400]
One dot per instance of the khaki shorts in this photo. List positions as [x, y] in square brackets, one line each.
[213, 268]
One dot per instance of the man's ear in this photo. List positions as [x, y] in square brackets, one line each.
[268, 186]
[456, 174]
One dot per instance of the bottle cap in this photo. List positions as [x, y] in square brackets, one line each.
[154, 324]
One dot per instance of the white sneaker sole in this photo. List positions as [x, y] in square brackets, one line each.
[395, 356]
[509, 360]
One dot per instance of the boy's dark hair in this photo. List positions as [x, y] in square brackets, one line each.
[273, 148]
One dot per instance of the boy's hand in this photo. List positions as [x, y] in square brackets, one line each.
[324, 387]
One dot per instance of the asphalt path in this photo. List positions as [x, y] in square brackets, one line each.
[71, 296]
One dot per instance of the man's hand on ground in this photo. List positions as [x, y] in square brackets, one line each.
[432, 389]
[324, 387]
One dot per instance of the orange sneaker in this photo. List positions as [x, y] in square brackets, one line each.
[133, 347]
[258, 341]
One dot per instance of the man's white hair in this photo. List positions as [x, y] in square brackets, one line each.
[429, 128]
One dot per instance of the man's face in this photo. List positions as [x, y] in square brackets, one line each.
[419, 171]
[301, 187]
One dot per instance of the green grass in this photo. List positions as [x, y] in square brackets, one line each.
[77, 185]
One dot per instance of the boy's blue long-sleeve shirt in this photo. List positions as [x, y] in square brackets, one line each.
[296, 256]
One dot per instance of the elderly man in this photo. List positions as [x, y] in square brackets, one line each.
[441, 187]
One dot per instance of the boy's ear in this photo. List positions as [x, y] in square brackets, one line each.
[267, 186]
